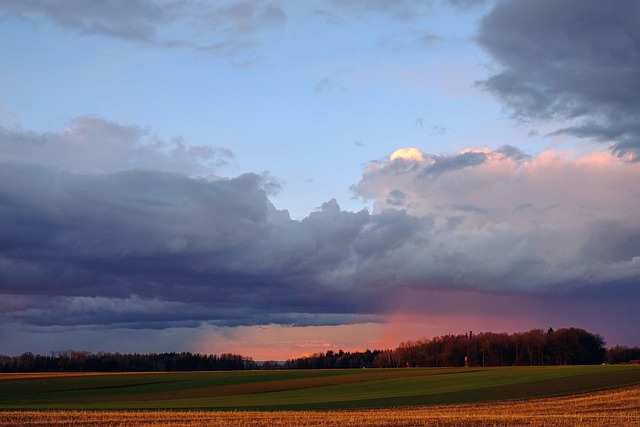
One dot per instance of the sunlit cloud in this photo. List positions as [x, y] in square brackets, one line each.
[407, 154]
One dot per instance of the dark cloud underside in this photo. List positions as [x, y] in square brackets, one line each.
[575, 62]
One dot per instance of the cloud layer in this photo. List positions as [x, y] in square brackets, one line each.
[147, 247]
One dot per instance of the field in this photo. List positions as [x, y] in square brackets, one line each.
[587, 395]
[617, 407]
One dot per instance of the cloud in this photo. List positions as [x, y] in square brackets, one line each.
[242, 17]
[574, 62]
[128, 19]
[404, 10]
[227, 29]
[131, 235]
[93, 144]
[235, 30]
[409, 40]
[137, 247]
[328, 85]
[87, 244]
[399, 10]
[505, 221]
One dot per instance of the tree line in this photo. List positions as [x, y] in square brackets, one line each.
[83, 361]
[566, 346]
[623, 354]
[333, 360]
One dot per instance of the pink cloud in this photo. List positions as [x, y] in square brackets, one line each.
[544, 219]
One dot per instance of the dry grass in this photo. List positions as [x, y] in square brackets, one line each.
[618, 407]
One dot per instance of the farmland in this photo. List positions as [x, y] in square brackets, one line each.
[304, 389]
[619, 407]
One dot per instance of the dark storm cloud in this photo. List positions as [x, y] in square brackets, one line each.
[137, 234]
[574, 62]
[145, 246]
[85, 242]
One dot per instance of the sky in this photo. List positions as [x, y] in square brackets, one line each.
[278, 178]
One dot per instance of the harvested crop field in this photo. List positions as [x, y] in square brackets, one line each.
[619, 407]
[304, 390]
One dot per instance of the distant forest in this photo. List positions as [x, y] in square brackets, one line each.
[566, 346]
[83, 361]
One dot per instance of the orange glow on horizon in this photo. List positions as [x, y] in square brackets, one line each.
[281, 342]
[421, 314]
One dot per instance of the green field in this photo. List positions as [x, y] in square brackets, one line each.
[304, 389]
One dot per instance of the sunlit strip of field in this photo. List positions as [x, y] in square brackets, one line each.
[616, 407]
